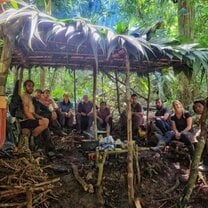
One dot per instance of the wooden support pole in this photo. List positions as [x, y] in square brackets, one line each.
[42, 78]
[75, 92]
[117, 93]
[53, 79]
[136, 157]
[4, 69]
[101, 161]
[15, 75]
[148, 97]
[29, 73]
[129, 137]
[94, 100]
[20, 78]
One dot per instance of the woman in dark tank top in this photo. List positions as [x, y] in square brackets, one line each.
[182, 125]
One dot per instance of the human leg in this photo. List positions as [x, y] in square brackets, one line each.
[185, 138]
[62, 118]
[162, 125]
[69, 121]
[43, 124]
[89, 121]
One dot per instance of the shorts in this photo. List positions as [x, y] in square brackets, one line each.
[29, 124]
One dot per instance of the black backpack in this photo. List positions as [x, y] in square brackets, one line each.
[16, 105]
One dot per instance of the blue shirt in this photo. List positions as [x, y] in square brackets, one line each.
[65, 107]
[85, 107]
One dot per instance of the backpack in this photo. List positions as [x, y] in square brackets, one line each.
[16, 105]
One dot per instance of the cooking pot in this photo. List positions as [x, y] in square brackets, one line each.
[89, 145]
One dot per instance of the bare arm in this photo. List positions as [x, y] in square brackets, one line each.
[27, 113]
[189, 124]
[177, 134]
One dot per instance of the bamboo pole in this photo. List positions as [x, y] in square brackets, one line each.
[75, 92]
[20, 78]
[117, 92]
[53, 79]
[148, 97]
[4, 69]
[15, 75]
[42, 78]
[94, 100]
[129, 137]
[183, 202]
[29, 73]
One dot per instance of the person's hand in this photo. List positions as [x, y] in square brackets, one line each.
[177, 135]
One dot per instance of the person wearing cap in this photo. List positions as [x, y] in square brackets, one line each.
[66, 115]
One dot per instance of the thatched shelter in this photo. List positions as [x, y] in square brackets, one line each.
[32, 39]
[41, 40]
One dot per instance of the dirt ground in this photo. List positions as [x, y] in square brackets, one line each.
[162, 180]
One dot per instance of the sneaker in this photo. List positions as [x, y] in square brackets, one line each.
[203, 168]
[157, 148]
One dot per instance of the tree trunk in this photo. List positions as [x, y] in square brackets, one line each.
[129, 137]
[186, 19]
[197, 156]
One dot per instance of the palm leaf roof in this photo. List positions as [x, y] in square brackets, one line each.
[41, 40]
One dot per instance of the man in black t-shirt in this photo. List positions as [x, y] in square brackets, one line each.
[162, 117]
[137, 117]
[163, 124]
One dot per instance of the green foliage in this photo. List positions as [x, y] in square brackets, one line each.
[121, 27]
[14, 4]
[142, 15]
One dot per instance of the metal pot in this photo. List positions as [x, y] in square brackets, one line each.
[89, 145]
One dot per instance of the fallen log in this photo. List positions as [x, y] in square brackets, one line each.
[87, 187]
[22, 204]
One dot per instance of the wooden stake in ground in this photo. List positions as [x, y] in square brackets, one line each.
[197, 157]
[129, 137]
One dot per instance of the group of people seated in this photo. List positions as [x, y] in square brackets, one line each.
[41, 113]
[167, 126]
